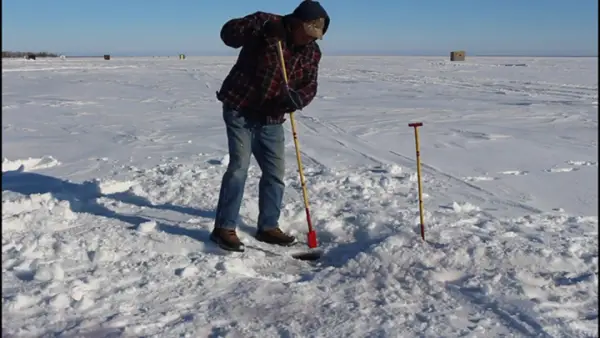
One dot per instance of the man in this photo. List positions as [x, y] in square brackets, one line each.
[255, 100]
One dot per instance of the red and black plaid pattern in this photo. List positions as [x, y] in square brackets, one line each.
[255, 83]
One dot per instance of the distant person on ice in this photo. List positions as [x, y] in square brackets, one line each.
[255, 102]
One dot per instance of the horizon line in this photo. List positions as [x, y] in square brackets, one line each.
[333, 53]
[161, 55]
[339, 52]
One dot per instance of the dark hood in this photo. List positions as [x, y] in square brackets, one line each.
[311, 10]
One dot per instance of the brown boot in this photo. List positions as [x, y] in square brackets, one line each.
[227, 239]
[275, 236]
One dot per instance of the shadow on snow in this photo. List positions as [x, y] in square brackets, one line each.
[82, 198]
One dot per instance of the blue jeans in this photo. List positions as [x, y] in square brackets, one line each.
[267, 142]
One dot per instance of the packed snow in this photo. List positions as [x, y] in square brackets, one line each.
[111, 171]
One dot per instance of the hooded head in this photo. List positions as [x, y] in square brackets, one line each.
[310, 21]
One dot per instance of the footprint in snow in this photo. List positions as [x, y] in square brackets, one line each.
[478, 136]
[575, 165]
[582, 163]
[514, 172]
[479, 178]
[561, 170]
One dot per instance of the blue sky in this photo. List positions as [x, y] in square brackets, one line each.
[411, 27]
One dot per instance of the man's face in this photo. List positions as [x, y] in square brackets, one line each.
[306, 32]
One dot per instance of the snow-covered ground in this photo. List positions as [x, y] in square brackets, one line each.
[111, 173]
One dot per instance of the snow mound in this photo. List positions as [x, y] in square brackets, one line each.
[147, 226]
[464, 207]
[34, 212]
[29, 164]
[109, 186]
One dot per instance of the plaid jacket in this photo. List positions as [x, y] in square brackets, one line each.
[255, 83]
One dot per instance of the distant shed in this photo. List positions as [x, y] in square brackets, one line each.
[30, 57]
[457, 55]
[106, 57]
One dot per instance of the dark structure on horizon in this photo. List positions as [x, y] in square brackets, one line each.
[457, 55]
[13, 54]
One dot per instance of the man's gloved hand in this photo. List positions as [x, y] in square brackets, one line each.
[274, 29]
[291, 100]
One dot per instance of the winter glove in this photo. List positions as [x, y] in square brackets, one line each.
[291, 100]
[274, 29]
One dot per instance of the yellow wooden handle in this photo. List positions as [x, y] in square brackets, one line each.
[294, 134]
